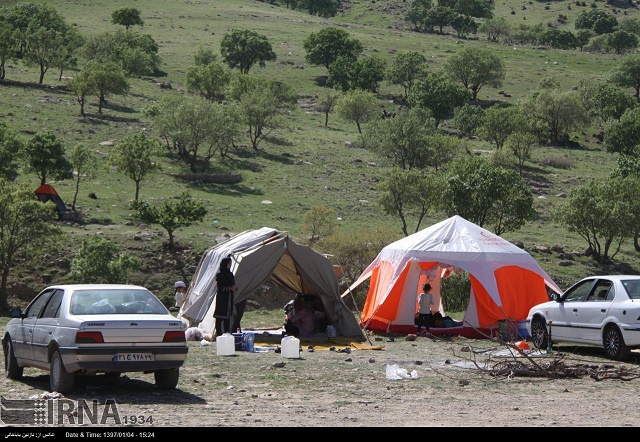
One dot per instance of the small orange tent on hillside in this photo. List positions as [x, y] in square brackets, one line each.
[46, 192]
[506, 281]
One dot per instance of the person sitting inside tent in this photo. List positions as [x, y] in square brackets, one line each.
[439, 321]
[299, 320]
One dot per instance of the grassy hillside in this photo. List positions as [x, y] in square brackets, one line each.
[298, 167]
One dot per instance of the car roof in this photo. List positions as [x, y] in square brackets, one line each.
[616, 277]
[73, 287]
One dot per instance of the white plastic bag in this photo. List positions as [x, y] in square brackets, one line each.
[394, 373]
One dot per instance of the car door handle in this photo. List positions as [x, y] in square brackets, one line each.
[603, 310]
[575, 310]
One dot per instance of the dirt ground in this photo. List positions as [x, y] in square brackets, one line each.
[456, 382]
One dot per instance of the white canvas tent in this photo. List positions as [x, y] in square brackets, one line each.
[506, 281]
[262, 255]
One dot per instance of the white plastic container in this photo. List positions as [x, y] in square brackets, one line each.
[290, 347]
[226, 344]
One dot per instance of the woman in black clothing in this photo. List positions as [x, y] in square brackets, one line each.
[224, 297]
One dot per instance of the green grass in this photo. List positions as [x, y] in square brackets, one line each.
[306, 164]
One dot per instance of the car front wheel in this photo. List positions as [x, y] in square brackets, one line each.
[167, 379]
[11, 368]
[614, 345]
[60, 379]
[539, 333]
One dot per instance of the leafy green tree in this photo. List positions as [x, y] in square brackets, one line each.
[629, 166]
[325, 46]
[65, 56]
[127, 17]
[327, 102]
[196, 128]
[263, 104]
[475, 68]
[99, 261]
[559, 39]
[8, 41]
[627, 73]
[84, 163]
[475, 8]
[440, 17]
[417, 15]
[486, 195]
[407, 193]
[583, 36]
[42, 45]
[357, 106]
[621, 41]
[629, 24]
[105, 79]
[358, 249]
[81, 86]
[405, 69]
[319, 222]
[445, 149]
[521, 144]
[46, 157]
[623, 136]
[605, 101]
[204, 56]
[135, 156]
[209, 80]
[404, 139]
[321, 8]
[468, 118]
[172, 215]
[500, 122]
[10, 150]
[439, 94]
[496, 29]
[601, 213]
[365, 73]
[136, 54]
[25, 232]
[558, 113]
[243, 48]
[464, 25]
[597, 20]
[39, 31]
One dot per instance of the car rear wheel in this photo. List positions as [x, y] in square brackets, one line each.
[11, 368]
[614, 345]
[60, 379]
[539, 333]
[167, 379]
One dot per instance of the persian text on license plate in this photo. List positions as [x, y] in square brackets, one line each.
[134, 357]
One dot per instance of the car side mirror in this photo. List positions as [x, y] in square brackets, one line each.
[555, 297]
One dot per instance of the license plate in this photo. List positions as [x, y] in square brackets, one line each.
[134, 357]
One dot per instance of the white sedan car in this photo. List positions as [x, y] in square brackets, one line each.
[87, 329]
[598, 310]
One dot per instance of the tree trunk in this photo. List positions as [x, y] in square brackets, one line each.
[137, 190]
[4, 306]
[42, 72]
[75, 196]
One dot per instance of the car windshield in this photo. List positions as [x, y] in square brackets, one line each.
[115, 301]
[632, 286]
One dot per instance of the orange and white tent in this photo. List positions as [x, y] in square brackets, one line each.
[506, 281]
